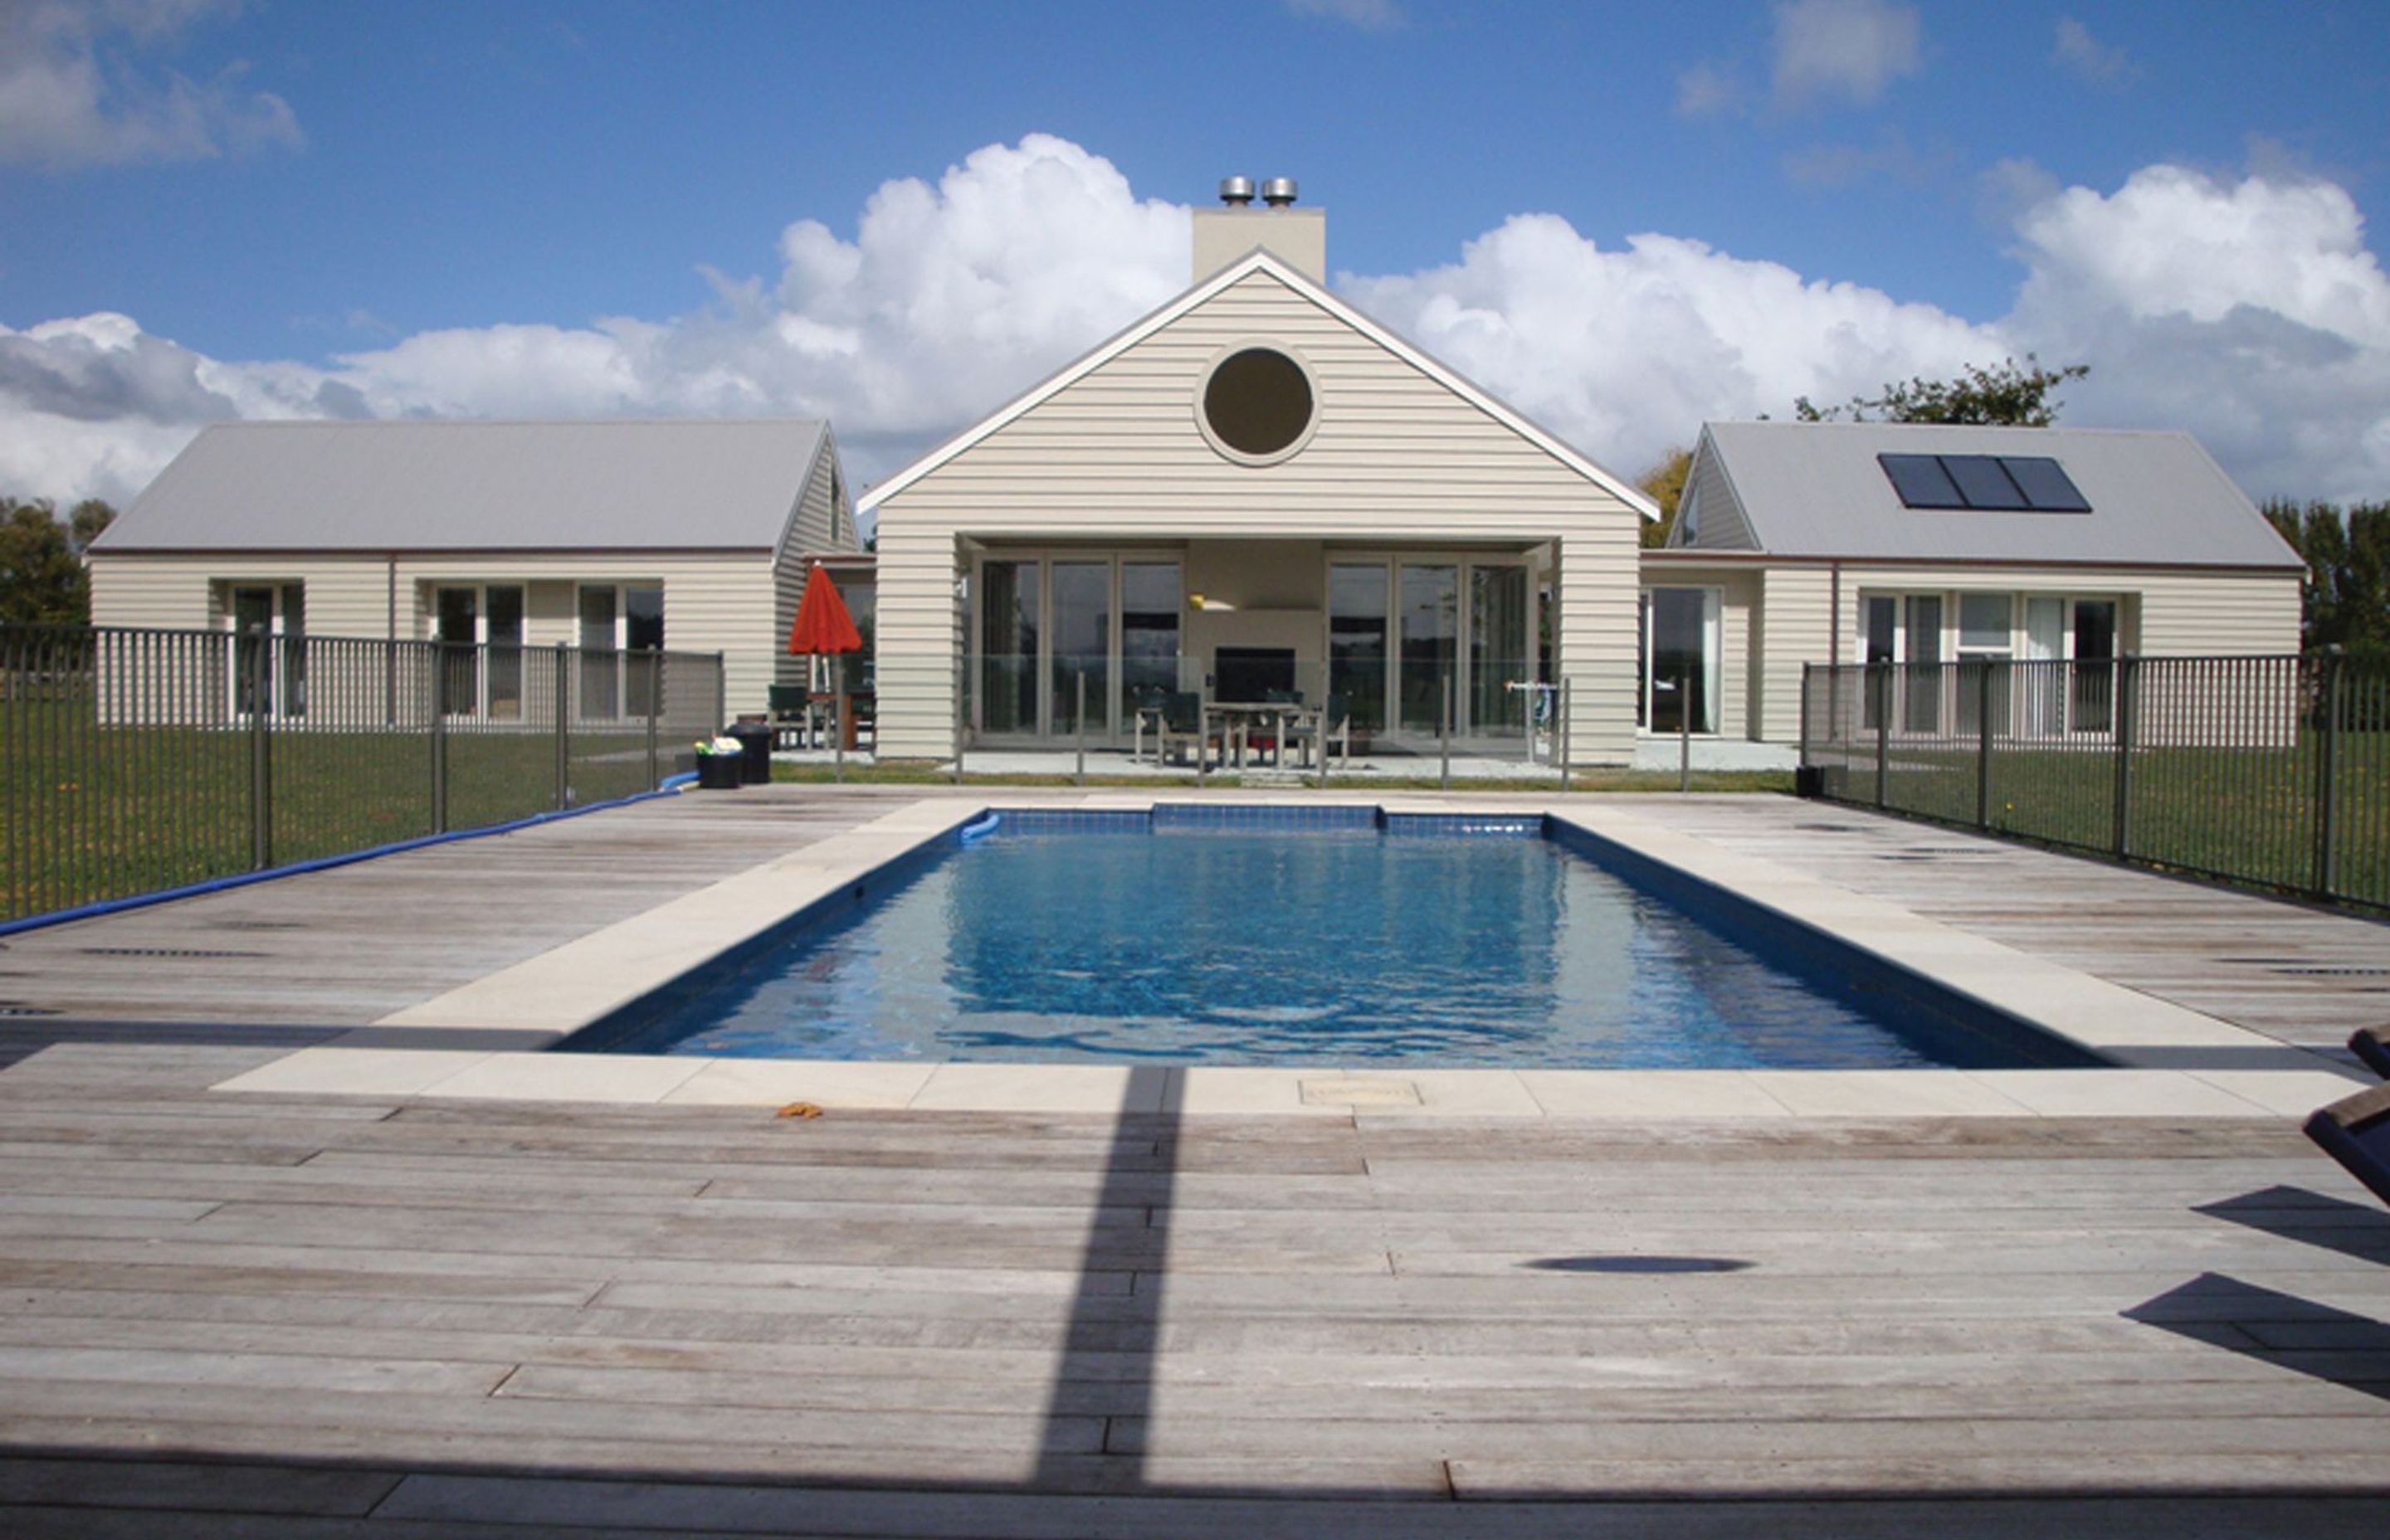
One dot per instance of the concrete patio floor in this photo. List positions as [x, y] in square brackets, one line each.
[283, 1314]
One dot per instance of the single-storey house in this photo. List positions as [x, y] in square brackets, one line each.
[1914, 543]
[689, 535]
[1258, 487]
[1255, 489]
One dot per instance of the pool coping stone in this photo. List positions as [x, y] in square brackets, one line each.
[2174, 1062]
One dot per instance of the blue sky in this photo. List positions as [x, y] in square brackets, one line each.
[210, 210]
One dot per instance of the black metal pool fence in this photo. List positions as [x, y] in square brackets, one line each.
[136, 760]
[2269, 770]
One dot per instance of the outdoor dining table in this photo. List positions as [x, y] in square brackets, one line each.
[1238, 717]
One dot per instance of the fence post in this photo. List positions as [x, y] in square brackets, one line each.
[563, 729]
[1984, 742]
[440, 750]
[1881, 687]
[1443, 734]
[2327, 866]
[655, 708]
[1567, 725]
[1684, 730]
[2126, 666]
[1079, 721]
[260, 751]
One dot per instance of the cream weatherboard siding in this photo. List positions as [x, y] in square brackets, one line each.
[714, 601]
[1778, 616]
[2175, 612]
[1397, 459]
[1719, 524]
[1796, 627]
[823, 524]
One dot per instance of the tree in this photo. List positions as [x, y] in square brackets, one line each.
[2345, 596]
[2006, 395]
[1665, 484]
[42, 576]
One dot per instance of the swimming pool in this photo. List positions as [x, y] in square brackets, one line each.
[1306, 936]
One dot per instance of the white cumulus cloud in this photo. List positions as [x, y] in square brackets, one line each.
[1847, 48]
[71, 96]
[2250, 309]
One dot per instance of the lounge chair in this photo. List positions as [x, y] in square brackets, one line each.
[2356, 1132]
[2373, 1045]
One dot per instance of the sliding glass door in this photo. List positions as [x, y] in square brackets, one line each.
[1049, 625]
[1009, 614]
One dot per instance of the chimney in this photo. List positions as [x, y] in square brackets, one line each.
[1295, 236]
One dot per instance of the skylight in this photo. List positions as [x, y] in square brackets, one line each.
[1986, 483]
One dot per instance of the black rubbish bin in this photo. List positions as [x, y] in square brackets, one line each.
[755, 736]
[719, 772]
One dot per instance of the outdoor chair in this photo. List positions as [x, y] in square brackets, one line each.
[2373, 1045]
[2356, 1132]
[789, 714]
[1322, 729]
[1182, 723]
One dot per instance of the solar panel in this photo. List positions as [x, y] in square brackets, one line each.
[1983, 483]
[1921, 482]
[2046, 485]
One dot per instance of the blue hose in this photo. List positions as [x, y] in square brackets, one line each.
[981, 830]
[668, 786]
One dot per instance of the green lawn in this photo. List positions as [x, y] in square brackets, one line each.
[94, 811]
[2246, 814]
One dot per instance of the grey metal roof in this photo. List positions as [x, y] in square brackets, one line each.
[461, 486]
[1815, 489]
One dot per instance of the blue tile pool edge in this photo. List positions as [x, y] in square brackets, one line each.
[1781, 940]
[1794, 944]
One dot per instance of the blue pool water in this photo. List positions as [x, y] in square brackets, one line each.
[1112, 940]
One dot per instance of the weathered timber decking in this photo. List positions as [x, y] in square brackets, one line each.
[348, 946]
[282, 1316]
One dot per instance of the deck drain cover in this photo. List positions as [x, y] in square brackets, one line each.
[162, 952]
[2334, 970]
[1359, 1093]
[10, 1007]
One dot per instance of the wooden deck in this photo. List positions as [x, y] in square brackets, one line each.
[284, 1316]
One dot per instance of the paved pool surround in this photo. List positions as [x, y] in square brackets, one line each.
[2172, 1062]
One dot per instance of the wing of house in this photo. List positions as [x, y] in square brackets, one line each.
[687, 535]
[1851, 543]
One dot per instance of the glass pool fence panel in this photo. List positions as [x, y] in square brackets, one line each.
[136, 760]
[2269, 770]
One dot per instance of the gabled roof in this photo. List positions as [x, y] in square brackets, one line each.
[1260, 260]
[465, 487]
[1815, 489]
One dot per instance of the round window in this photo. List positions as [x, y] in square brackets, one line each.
[1258, 403]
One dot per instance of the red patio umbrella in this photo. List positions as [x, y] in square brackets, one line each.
[822, 624]
[823, 627]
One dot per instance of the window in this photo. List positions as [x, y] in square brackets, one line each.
[1356, 642]
[1898, 631]
[1987, 483]
[2060, 647]
[614, 618]
[269, 656]
[1680, 651]
[1258, 404]
[481, 632]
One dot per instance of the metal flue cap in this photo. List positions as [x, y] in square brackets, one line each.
[1235, 191]
[1279, 191]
